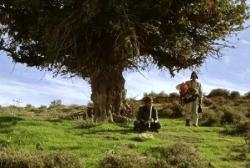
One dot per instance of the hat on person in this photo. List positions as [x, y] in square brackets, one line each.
[147, 99]
[194, 74]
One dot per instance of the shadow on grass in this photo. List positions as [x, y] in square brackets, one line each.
[240, 152]
[7, 121]
[65, 147]
[55, 120]
[87, 125]
[106, 131]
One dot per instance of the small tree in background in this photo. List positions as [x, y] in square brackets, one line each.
[219, 92]
[98, 40]
[55, 103]
[247, 95]
[235, 94]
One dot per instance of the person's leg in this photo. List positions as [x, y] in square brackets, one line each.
[139, 126]
[155, 126]
[188, 109]
[194, 114]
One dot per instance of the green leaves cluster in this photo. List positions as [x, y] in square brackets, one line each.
[90, 36]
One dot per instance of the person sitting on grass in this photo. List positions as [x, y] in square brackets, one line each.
[147, 117]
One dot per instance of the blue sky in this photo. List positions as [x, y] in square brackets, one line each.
[31, 86]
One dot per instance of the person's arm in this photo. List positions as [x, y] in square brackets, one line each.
[200, 94]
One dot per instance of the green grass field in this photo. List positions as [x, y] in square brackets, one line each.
[92, 142]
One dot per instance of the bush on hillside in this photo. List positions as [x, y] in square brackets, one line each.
[234, 94]
[230, 116]
[207, 101]
[179, 156]
[23, 159]
[174, 95]
[56, 103]
[247, 95]
[154, 94]
[243, 128]
[29, 107]
[219, 92]
[125, 161]
[173, 110]
[60, 159]
[210, 118]
[248, 113]
[176, 156]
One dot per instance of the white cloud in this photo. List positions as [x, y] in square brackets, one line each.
[210, 83]
[246, 42]
[42, 93]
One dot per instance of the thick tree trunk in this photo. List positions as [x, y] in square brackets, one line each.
[108, 94]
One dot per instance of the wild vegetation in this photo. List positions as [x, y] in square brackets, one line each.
[50, 137]
[95, 38]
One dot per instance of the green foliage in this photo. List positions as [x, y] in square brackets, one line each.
[127, 161]
[117, 34]
[207, 101]
[154, 94]
[230, 117]
[179, 156]
[174, 95]
[25, 159]
[29, 107]
[175, 156]
[55, 103]
[62, 160]
[210, 118]
[234, 94]
[172, 110]
[243, 128]
[247, 95]
[91, 141]
[219, 92]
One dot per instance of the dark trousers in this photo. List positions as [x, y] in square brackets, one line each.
[140, 126]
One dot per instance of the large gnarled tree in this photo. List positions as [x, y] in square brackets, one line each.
[99, 39]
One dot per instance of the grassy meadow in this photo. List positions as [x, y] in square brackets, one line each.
[34, 132]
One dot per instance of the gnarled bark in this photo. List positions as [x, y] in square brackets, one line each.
[108, 94]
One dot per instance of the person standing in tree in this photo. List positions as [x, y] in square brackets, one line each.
[191, 99]
[147, 117]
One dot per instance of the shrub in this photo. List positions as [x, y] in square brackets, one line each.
[179, 156]
[174, 95]
[23, 159]
[61, 159]
[173, 110]
[163, 94]
[248, 113]
[234, 94]
[42, 107]
[207, 102]
[125, 161]
[55, 103]
[29, 107]
[177, 110]
[243, 128]
[247, 95]
[219, 92]
[19, 159]
[210, 118]
[230, 117]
